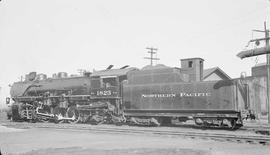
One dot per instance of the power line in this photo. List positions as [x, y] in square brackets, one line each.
[81, 71]
[151, 55]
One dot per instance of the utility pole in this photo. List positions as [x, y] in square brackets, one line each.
[260, 51]
[151, 54]
[266, 33]
[268, 70]
[81, 71]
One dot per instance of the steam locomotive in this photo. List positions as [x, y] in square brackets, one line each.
[150, 96]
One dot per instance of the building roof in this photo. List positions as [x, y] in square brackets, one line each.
[209, 71]
[113, 72]
[192, 59]
[158, 66]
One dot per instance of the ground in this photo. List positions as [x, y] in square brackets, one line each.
[37, 141]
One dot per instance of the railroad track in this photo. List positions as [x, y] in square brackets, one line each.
[199, 134]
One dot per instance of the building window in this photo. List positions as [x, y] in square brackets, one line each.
[190, 63]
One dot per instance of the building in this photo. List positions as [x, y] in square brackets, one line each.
[194, 67]
[259, 70]
[192, 70]
[214, 73]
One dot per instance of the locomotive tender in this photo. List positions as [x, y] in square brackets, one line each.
[150, 96]
[168, 97]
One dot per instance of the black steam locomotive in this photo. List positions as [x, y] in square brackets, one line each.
[150, 96]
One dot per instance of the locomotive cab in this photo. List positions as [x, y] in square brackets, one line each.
[106, 87]
[106, 84]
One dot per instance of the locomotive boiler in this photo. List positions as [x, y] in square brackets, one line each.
[43, 99]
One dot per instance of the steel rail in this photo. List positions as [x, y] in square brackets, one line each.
[253, 139]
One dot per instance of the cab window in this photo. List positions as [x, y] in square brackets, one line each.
[109, 82]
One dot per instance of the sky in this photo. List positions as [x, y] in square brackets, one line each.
[65, 35]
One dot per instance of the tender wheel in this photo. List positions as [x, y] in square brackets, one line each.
[165, 121]
[198, 121]
[233, 124]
